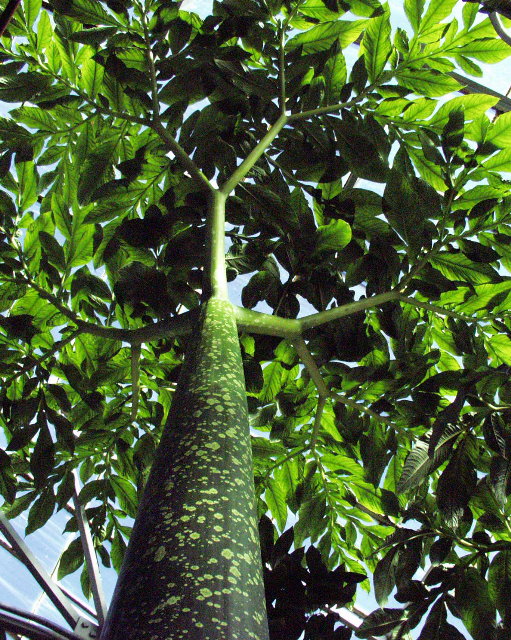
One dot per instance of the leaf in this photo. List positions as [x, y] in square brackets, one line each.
[31, 9]
[419, 464]
[335, 75]
[457, 266]
[456, 484]
[437, 627]
[323, 36]
[97, 163]
[409, 202]
[35, 118]
[91, 77]
[85, 11]
[27, 182]
[414, 10]
[380, 622]
[473, 105]
[499, 162]
[376, 45]
[437, 10]
[117, 551]
[44, 31]
[429, 83]
[23, 86]
[273, 380]
[474, 604]
[264, 448]
[126, 493]
[333, 236]
[384, 576]
[275, 497]
[71, 560]
[43, 456]
[7, 479]
[499, 132]
[40, 512]
[501, 346]
[499, 583]
[489, 51]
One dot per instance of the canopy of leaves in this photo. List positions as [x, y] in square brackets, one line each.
[120, 112]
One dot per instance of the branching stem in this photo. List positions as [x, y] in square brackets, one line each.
[241, 171]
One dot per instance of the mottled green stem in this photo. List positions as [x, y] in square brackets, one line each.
[193, 566]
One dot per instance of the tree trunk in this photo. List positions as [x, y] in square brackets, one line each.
[193, 565]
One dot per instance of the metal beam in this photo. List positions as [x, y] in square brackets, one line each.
[43, 578]
[471, 86]
[91, 560]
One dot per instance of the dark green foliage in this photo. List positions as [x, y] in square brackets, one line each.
[385, 435]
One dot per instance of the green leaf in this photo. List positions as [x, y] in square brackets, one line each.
[457, 266]
[384, 576]
[335, 75]
[23, 86]
[499, 583]
[499, 162]
[27, 183]
[275, 497]
[456, 484]
[474, 105]
[126, 493]
[44, 31]
[43, 456]
[264, 448]
[427, 83]
[7, 480]
[91, 77]
[96, 165]
[437, 11]
[499, 132]
[376, 45]
[86, 12]
[31, 9]
[489, 51]
[419, 464]
[71, 560]
[380, 622]
[273, 379]
[323, 36]
[437, 627]
[118, 550]
[414, 10]
[474, 604]
[35, 118]
[40, 512]
[333, 236]
[500, 345]
[409, 202]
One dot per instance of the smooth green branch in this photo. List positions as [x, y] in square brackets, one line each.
[185, 160]
[241, 171]
[315, 374]
[311, 366]
[175, 326]
[282, 71]
[136, 351]
[442, 311]
[317, 319]
[215, 278]
[257, 322]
